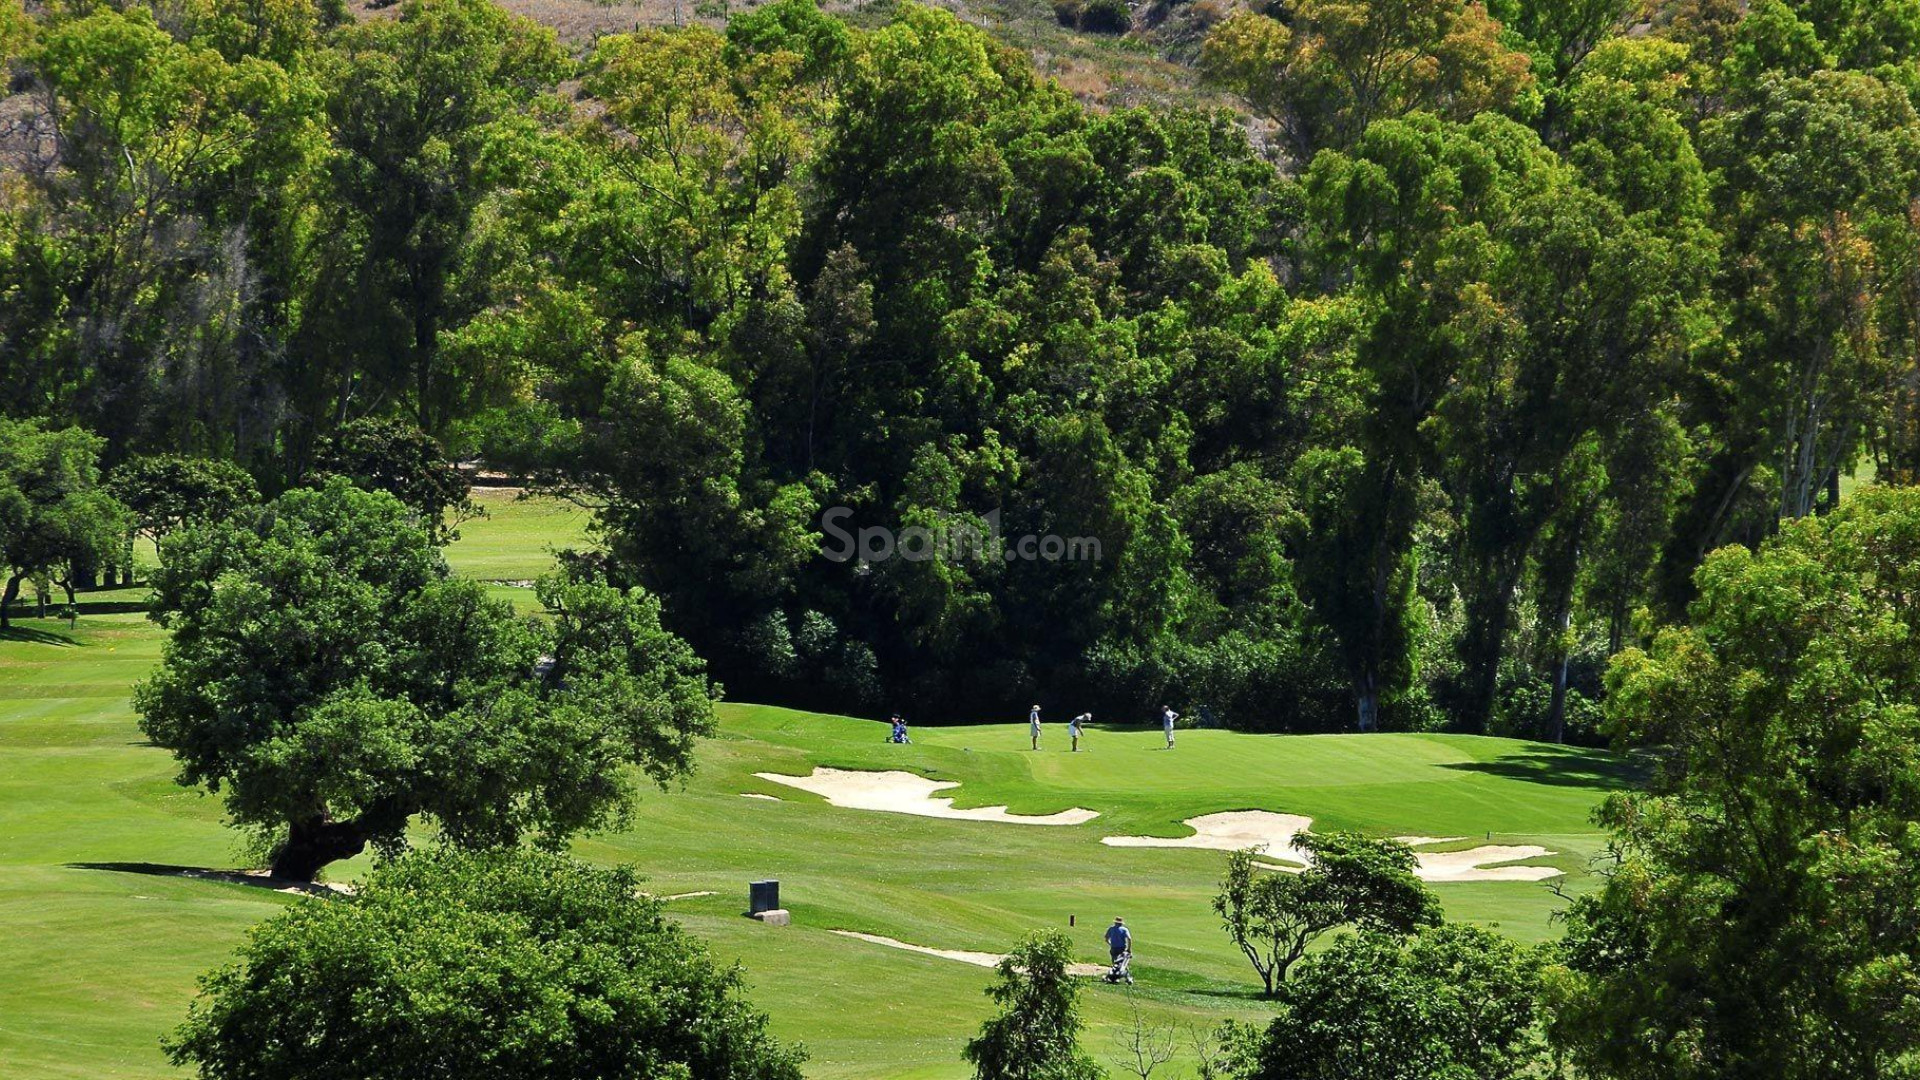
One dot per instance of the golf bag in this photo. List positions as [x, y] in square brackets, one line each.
[1122, 970]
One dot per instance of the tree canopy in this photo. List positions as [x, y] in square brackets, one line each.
[56, 517]
[1449, 1002]
[1275, 915]
[1759, 918]
[500, 964]
[329, 678]
[1403, 408]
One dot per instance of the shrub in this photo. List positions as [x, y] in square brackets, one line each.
[498, 964]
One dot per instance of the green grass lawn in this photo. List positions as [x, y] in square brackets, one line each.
[104, 940]
[516, 539]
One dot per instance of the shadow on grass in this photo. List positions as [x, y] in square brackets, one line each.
[225, 877]
[110, 607]
[1564, 767]
[1250, 994]
[35, 636]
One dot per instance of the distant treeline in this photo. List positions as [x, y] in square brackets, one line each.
[1408, 418]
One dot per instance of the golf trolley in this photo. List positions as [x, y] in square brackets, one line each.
[1122, 970]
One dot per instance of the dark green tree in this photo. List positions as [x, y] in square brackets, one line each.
[1759, 922]
[415, 106]
[1036, 1035]
[55, 514]
[398, 458]
[504, 964]
[167, 491]
[329, 678]
[1450, 1002]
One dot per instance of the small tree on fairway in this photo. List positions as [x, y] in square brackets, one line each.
[1036, 1035]
[1140, 1046]
[167, 491]
[1273, 916]
[330, 678]
[498, 965]
[54, 512]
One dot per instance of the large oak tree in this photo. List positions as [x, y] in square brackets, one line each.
[329, 677]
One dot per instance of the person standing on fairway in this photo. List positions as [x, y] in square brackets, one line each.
[1033, 725]
[1073, 728]
[1167, 717]
[1119, 939]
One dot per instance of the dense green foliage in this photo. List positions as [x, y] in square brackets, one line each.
[57, 519]
[1449, 1003]
[1404, 427]
[167, 491]
[405, 462]
[1760, 921]
[509, 965]
[1036, 1033]
[332, 681]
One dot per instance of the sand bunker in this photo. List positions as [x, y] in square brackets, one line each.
[906, 793]
[757, 795]
[977, 959]
[1272, 836]
[1236, 830]
[1473, 864]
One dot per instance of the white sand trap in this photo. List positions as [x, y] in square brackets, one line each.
[905, 793]
[1473, 864]
[757, 795]
[1272, 836]
[1268, 833]
[977, 959]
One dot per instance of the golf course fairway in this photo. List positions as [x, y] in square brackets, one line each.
[105, 930]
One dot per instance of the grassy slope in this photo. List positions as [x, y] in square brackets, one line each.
[102, 952]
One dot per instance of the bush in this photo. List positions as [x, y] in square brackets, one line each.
[1454, 1001]
[485, 966]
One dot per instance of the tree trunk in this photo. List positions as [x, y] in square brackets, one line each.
[1366, 699]
[6, 601]
[312, 844]
[1559, 573]
[1557, 711]
[1489, 613]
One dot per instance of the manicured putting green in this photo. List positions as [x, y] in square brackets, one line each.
[104, 939]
